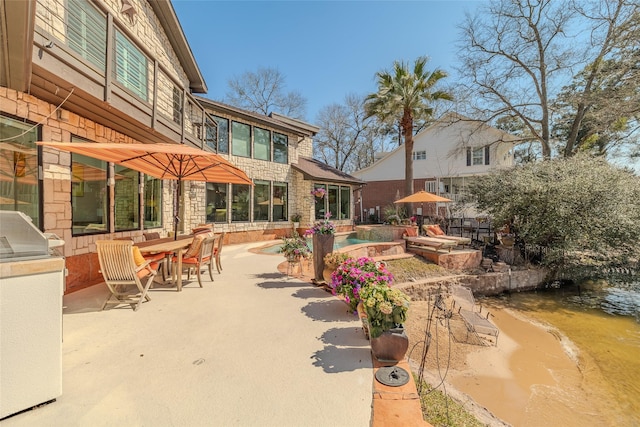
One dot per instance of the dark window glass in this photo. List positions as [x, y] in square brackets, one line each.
[126, 209]
[216, 202]
[333, 201]
[89, 195]
[320, 201]
[19, 190]
[345, 203]
[261, 192]
[152, 202]
[240, 202]
[280, 148]
[280, 201]
[223, 134]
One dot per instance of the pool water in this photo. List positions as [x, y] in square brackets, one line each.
[339, 242]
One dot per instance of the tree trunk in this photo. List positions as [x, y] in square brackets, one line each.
[407, 127]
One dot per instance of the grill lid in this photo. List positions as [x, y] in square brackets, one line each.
[19, 238]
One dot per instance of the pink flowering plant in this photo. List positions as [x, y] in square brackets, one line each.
[322, 227]
[295, 247]
[354, 275]
[386, 308]
[318, 192]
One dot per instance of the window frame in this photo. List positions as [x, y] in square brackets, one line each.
[235, 143]
[78, 35]
[265, 144]
[80, 189]
[279, 152]
[127, 67]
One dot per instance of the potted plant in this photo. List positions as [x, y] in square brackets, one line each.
[393, 219]
[295, 218]
[318, 193]
[386, 310]
[294, 248]
[353, 275]
[323, 233]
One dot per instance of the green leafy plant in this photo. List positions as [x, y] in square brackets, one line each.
[296, 217]
[334, 259]
[386, 307]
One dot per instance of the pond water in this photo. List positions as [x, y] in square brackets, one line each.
[339, 242]
[603, 321]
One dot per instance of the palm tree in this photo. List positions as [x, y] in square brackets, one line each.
[406, 95]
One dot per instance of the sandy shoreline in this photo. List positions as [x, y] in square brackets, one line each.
[533, 377]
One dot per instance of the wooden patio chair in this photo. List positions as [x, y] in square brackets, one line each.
[218, 251]
[124, 273]
[203, 257]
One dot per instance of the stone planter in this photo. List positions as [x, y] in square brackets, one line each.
[390, 346]
[322, 245]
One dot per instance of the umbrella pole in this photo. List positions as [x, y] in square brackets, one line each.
[176, 210]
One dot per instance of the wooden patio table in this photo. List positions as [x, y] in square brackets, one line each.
[168, 244]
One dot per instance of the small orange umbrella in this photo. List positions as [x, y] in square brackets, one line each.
[422, 197]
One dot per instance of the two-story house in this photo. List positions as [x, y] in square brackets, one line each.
[122, 71]
[446, 156]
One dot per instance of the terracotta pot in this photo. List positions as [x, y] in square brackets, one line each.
[362, 314]
[326, 273]
[390, 346]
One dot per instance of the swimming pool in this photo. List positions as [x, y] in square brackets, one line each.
[340, 241]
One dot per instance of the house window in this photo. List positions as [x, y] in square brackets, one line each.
[130, 68]
[216, 202]
[280, 201]
[240, 202]
[261, 192]
[152, 202]
[240, 139]
[345, 203]
[478, 156]
[211, 133]
[320, 202]
[261, 144]
[223, 134]
[332, 196]
[126, 198]
[170, 98]
[280, 147]
[419, 155]
[89, 194]
[19, 189]
[430, 186]
[87, 32]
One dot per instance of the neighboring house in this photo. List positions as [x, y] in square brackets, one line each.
[122, 71]
[446, 157]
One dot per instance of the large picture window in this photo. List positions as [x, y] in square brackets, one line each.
[262, 144]
[332, 196]
[240, 202]
[280, 148]
[337, 200]
[130, 68]
[89, 195]
[280, 201]
[216, 202]
[87, 32]
[241, 139]
[127, 200]
[152, 202]
[320, 201]
[261, 192]
[19, 189]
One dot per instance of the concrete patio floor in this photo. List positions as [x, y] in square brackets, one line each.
[252, 348]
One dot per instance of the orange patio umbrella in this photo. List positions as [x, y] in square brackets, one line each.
[422, 197]
[164, 161]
